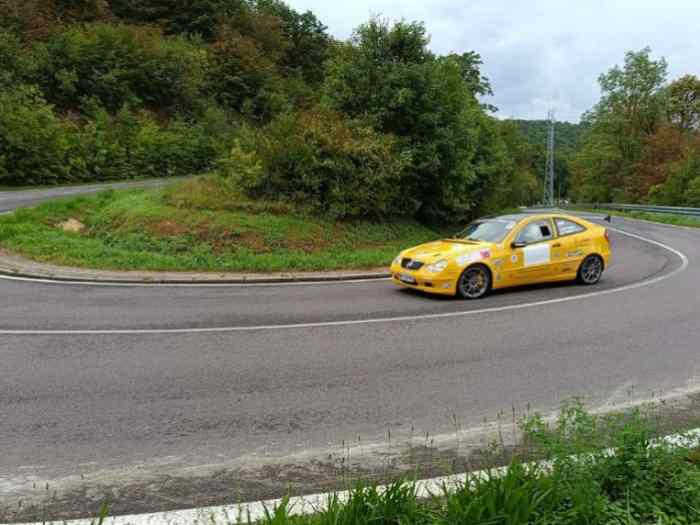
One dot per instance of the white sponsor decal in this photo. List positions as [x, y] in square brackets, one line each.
[468, 258]
[537, 254]
[463, 260]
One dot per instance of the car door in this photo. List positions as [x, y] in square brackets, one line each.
[574, 244]
[533, 258]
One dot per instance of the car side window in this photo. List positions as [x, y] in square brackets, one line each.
[565, 227]
[536, 231]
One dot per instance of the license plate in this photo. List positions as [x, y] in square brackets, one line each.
[408, 279]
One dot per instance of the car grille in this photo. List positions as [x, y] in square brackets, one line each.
[411, 264]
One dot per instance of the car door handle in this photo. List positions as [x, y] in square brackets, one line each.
[556, 245]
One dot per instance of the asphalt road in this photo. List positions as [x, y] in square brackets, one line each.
[161, 396]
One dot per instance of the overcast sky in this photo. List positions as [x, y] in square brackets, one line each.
[539, 53]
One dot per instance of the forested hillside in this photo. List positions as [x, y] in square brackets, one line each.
[568, 134]
[262, 95]
[567, 142]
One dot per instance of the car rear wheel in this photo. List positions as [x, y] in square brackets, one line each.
[474, 283]
[591, 270]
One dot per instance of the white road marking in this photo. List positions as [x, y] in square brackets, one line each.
[256, 511]
[410, 318]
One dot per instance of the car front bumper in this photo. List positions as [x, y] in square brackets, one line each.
[425, 281]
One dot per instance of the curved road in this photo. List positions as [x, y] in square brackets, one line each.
[174, 396]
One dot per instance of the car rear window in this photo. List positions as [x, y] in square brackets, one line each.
[566, 227]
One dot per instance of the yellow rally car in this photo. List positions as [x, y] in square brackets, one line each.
[509, 250]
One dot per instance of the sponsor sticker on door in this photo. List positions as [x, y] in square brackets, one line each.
[537, 254]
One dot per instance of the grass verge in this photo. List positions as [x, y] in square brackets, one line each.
[582, 483]
[589, 470]
[200, 225]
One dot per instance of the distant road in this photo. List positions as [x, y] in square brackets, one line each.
[156, 395]
[10, 200]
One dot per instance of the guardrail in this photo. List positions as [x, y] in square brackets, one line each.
[691, 212]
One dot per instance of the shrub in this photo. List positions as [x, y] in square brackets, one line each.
[336, 167]
[38, 148]
[675, 190]
[692, 194]
[134, 145]
[34, 146]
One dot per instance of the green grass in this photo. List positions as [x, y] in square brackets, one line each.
[585, 483]
[200, 225]
[578, 469]
[664, 218]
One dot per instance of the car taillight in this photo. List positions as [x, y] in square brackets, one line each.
[607, 236]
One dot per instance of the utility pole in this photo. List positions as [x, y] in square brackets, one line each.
[548, 199]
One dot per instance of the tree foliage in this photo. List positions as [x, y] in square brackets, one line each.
[387, 75]
[684, 103]
[339, 167]
[119, 64]
[372, 127]
[642, 143]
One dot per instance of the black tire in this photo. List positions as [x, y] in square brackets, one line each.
[474, 283]
[591, 270]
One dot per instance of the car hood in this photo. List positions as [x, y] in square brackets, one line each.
[445, 249]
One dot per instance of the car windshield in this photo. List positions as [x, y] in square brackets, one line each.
[492, 230]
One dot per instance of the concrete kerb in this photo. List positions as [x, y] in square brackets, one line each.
[18, 268]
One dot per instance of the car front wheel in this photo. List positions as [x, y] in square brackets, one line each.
[474, 283]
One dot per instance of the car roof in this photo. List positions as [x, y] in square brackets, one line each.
[524, 215]
[517, 217]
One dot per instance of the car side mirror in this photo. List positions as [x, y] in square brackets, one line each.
[518, 244]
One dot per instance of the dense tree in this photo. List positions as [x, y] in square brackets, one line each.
[684, 103]
[200, 17]
[387, 75]
[118, 64]
[307, 37]
[244, 74]
[631, 108]
[36, 19]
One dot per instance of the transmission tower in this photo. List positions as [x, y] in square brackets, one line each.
[549, 168]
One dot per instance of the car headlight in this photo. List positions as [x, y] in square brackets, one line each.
[398, 259]
[438, 266]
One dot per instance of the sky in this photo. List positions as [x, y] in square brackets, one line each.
[539, 54]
